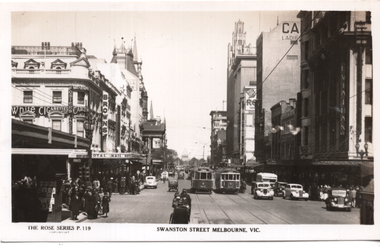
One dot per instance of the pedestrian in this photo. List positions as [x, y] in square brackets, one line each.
[353, 196]
[132, 185]
[91, 205]
[110, 187]
[106, 204]
[96, 184]
[75, 206]
[123, 180]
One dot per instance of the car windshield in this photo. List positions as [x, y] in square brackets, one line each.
[296, 187]
[151, 178]
[263, 185]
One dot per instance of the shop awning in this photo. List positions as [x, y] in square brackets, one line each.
[72, 153]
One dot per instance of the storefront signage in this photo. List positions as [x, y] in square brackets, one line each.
[250, 98]
[46, 110]
[114, 155]
[290, 31]
[105, 114]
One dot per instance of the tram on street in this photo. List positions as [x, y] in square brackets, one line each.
[202, 180]
[227, 180]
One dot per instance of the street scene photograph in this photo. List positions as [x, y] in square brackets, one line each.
[190, 119]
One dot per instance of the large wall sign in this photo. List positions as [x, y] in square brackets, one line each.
[250, 97]
[105, 114]
[290, 31]
[44, 111]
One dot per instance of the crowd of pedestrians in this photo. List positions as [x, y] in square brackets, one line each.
[93, 197]
[88, 197]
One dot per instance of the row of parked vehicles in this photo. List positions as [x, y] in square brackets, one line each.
[266, 186]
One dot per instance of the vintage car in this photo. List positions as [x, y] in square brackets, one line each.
[295, 191]
[262, 190]
[150, 182]
[279, 188]
[338, 198]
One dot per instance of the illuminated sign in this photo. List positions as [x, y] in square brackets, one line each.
[105, 114]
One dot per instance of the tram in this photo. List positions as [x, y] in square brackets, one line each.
[227, 180]
[202, 180]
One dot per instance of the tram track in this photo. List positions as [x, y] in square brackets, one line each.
[232, 198]
[257, 205]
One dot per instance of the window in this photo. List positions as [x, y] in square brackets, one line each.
[306, 134]
[57, 97]
[56, 124]
[81, 98]
[368, 92]
[306, 112]
[305, 79]
[28, 96]
[368, 129]
[80, 129]
[28, 120]
[292, 57]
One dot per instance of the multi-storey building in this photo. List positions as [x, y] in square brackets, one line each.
[218, 137]
[54, 87]
[241, 72]
[278, 68]
[336, 88]
[284, 136]
[247, 124]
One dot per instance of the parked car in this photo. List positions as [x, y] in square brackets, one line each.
[262, 190]
[338, 198]
[295, 191]
[279, 188]
[150, 181]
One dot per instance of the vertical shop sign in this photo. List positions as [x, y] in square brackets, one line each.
[105, 114]
[342, 126]
[70, 110]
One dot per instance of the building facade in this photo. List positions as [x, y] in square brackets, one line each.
[336, 89]
[218, 137]
[278, 76]
[241, 72]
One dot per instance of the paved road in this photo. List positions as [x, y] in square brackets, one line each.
[154, 206]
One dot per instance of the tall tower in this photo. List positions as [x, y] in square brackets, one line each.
[241, 72]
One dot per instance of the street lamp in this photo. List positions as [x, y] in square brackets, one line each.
[366, 149]
[357, 149]
[146, 152]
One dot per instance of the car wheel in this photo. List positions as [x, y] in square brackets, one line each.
[271, 198]
[283, 197]
[291, 197]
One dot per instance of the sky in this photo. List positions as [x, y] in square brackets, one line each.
[184, 53]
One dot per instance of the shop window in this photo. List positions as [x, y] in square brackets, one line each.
[80, 98]
[57, 97]
[57, 124]
[80, 128]
[28, 96]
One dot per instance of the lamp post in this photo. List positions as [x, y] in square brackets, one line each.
[146, 152]
[89, 128]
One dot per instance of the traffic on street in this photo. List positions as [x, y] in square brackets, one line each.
[154, 206]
